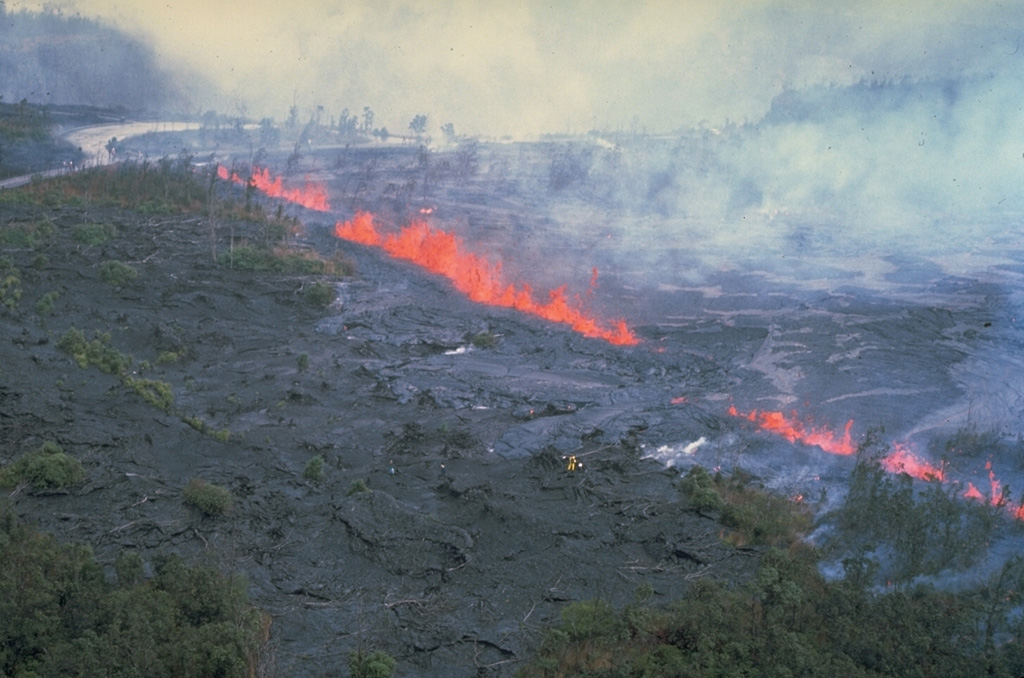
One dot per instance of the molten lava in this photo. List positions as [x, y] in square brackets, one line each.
[793, 430]
[477, 278]
[312, 196]
[902, 460]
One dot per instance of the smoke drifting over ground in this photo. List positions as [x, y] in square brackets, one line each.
[534, 67]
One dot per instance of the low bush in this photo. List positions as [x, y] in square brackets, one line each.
[93, 234]
[10, 283]
[27, 234]
[358, 486]
[376, 664]
[47, 468]
[314, 469]
[320, 294]
[117, 273]
[155, 392]
[484, 340]
[97, 352]
[211, 500]
[45, 303]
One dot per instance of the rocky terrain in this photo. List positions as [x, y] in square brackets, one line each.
[481, 467]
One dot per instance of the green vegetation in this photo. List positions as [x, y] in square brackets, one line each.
[60, 616]
[222, 435]
[376, 664]
[93, 234]
[358, 486]
[169, 186]
[27, 234]
[156, 393]
[314, 469]
[211, 500]
[47, 468]
[303, 362]
[786, 622]
[753, 516]
[320, 294]
[46, 302]
[108, 359]
[97, 352]
[24, 121]
[484, 340]
[117, 273]
[10, 284]
[924, 528]
[790, 620]
[168, 357]
[280, 259]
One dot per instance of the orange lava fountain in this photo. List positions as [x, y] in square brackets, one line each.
[793, 430]
[477, 278]
[311, 195]
[902, 460]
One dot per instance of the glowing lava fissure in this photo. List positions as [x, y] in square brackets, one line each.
[794, 430]
[899, 460]
[312, 195]
[479, 279]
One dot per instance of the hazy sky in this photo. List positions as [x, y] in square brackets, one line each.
[524, 66]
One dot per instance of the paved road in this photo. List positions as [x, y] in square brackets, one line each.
[93, 142]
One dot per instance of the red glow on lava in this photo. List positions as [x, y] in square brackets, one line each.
[902, 460]
[311, 195]
[793, 430]
[679, 400]
[476, 277]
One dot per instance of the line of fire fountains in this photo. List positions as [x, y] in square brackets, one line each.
[901, 457]
[481, 280]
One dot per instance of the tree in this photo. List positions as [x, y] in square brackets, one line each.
[367, 119]
[418, 125]
[448, 131]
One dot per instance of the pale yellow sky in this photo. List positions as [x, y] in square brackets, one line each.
[530, 66]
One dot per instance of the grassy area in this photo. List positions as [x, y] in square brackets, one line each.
[23, 121]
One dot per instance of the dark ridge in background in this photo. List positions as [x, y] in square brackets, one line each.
[52, 58]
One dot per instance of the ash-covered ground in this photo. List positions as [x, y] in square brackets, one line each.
[474, 531]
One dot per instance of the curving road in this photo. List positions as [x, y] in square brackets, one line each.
[93, 142]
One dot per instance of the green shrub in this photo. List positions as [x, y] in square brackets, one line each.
[211, 500]
[698, 485]
[45, 303]
[314, 469]
[484, 340]
[117, 273]
[97, 352]
[167, 357]
[320, 294]
[10, 283]
[155, 392]
[376, 664]
[93, 234]
[47, 468]
[357, 487]
[27, 234]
